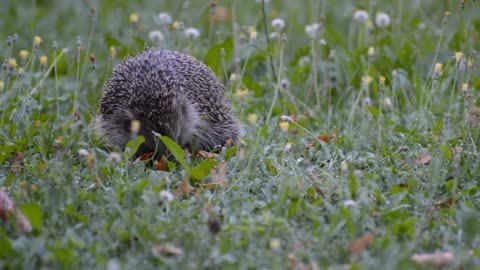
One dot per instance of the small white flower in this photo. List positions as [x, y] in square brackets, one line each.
[349, 203]
[382, 20]
[163, 18]
[278, 24]
[304, 61]
[387, 103]
[115, 157]
[323, 42]
[83, 152]
[166, 196]
[192, 33]
[286, 118]
[360, 16]
[312, 29]
[288, 146]
[274, 35]
[156, 37]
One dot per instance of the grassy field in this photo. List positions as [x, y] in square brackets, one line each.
[359, 143]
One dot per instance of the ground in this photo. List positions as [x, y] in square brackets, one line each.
[359, 138]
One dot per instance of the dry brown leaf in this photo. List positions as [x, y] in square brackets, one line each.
[17, 161]
[207, 155]
[424, 159]
[145, 156]
[325, 138]
[219, 173]
[437, 259]
[184, 189]
[442, 205]
[168, 249]
[359, 244]
[161, 165]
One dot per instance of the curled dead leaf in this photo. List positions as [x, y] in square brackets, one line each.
[167, 249]
[424, 159]
[184, 189]
[437, 259]
[161, 165]
[360, 244]
[207, 155]
[219, 176]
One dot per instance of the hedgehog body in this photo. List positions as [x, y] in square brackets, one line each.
[169, 93]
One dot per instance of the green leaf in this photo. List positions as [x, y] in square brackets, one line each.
[134, 144]
[33, 212]
[175, 149]
[214, 58]
[202, 170]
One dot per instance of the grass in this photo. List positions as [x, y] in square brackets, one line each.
[358, 150]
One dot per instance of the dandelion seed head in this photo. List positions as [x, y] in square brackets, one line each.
[156, 37]
[166, 196]
[164, 18]
[312, 29]
[115, 157]
[360, 16]
[192, 33]
[382, 20]
[12, 63]
[278, 24]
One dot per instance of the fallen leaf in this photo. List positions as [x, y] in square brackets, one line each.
[442, 205]
[145, 156]
[161, 165]
[437, 259]
[207, 155]
[424, 159]
[167, 249]
[324, 138]
[184, 189]
[359, 244]
[218, 174]
[17, 161]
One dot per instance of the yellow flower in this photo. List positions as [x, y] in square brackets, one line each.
[2, 86]
[233, 77]
[24, 54]
[36, 41]
[113, 51]
[275, 244]
[366, 80]
[382, 80]
[176, 24]
[242, 93]
[135, 126]
[465, 87]
[134, 17]
[43, 60]
[12, 63]
[284, 126]
[371, 51]
[252, 118]
[438, 68]
[21, 71]
[470, 62]
[253, 35]
[458, 57]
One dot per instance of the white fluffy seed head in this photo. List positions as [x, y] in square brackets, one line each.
[360, 16]
[312, 29]
[156, 37]
[382, 20]
[278, 24]
[164, 18]
[192, 33]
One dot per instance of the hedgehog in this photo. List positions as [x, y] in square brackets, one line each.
[170, 93]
